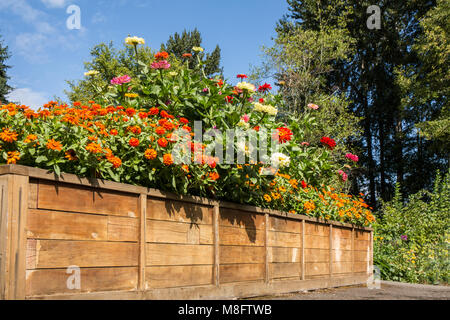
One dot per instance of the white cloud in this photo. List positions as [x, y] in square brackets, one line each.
[28, 97]
[54, 3]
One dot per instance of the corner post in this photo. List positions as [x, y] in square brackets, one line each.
[142, 241]
[216, 213]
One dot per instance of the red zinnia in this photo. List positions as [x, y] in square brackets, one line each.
[154, 111]
[241, 76]
[283, 135]
[265, 87]
[130, 112]
[164, 114]
[330, 143]
[133, 142]
[304, 185]
[162, 142]
[184, 120]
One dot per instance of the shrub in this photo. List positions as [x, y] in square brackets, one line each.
[412, 239]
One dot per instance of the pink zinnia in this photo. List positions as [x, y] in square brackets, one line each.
[343, 175]
[313, 106]
[305, 144]
[352, 157]
[163, 64]
[245, 117]
[121, 80]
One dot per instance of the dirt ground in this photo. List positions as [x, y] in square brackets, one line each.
[387, 291]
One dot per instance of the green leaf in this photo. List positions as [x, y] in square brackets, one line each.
[41, 159]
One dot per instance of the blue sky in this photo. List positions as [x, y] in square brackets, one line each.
[45, 52]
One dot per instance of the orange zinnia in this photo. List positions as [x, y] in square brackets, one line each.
[13, 157]
[30, 138]
[162, 142]
[150, 154]
[52, 144]
[8, 136]
[94, 148]
[167, 159]
[133, 142]
[116, 162]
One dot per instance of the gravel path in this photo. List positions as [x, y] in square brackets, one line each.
[388, 291]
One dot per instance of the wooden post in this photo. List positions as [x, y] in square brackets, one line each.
[353, 249]
[216, 213]
[331, 250]
[266, 244]
[13, 236]
[142, 241]
[303, 249]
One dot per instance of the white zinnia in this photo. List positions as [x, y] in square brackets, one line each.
[134, 41]
[272, 111]
[91, 73]
[280, 160]
[246, 86]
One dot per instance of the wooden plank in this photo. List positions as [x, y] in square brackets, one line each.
[178, 211]
[361, 256]
[316, 229]
[303, 250]
[266, 247]
[239, 236]
[361, 267]
[342, 243]
[284, 239]
[15, 208]
[362, 245]
[33, 193]
[161, 254]
[179, 276]
[241, 219]
[123, 229]
[316, 255]
[316, 242]
[331, 250]
[55, 254]
[179, 232]
[284, 270]
[241, 254]
[142, 240]
[45, 224]
[216, 213]
[54, 281]
[241, 272]
[4, 239]
[317, 268]
[67, 197]
[362, 235]
[342, 267]
[342, 255]
[285, 225]
[342, 233]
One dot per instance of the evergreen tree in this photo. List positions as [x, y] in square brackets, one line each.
[181, 44]
[4, 87]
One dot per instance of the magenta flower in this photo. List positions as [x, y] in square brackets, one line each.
[313, 106]
[163, 64]
[404, 237]
[343, 175]
[205, 90]
[121, 80]
[245, 117]
[352, 157]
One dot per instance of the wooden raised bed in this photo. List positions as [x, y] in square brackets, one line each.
[136, 243]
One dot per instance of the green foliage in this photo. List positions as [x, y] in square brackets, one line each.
[178, 45]
[4, 87]
[424, 222]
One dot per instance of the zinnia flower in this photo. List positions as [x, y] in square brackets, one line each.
[121, 80]
[134, 142]
[13, 157]
[272, 111]
[150, 154]
[116, 162]
[283, 135]
[162, 142]
[159, 65]
[161, 56]
[330, 143]
[352, 157]
[167, 159]
[91, 73]
[280, 160]
[265, 87]
[245, 86]
[8, 136]
[313, 106]
[134, 41]
[198, 49]
[241, 76]
[344, 176]
[187, 55]
[54, 145]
